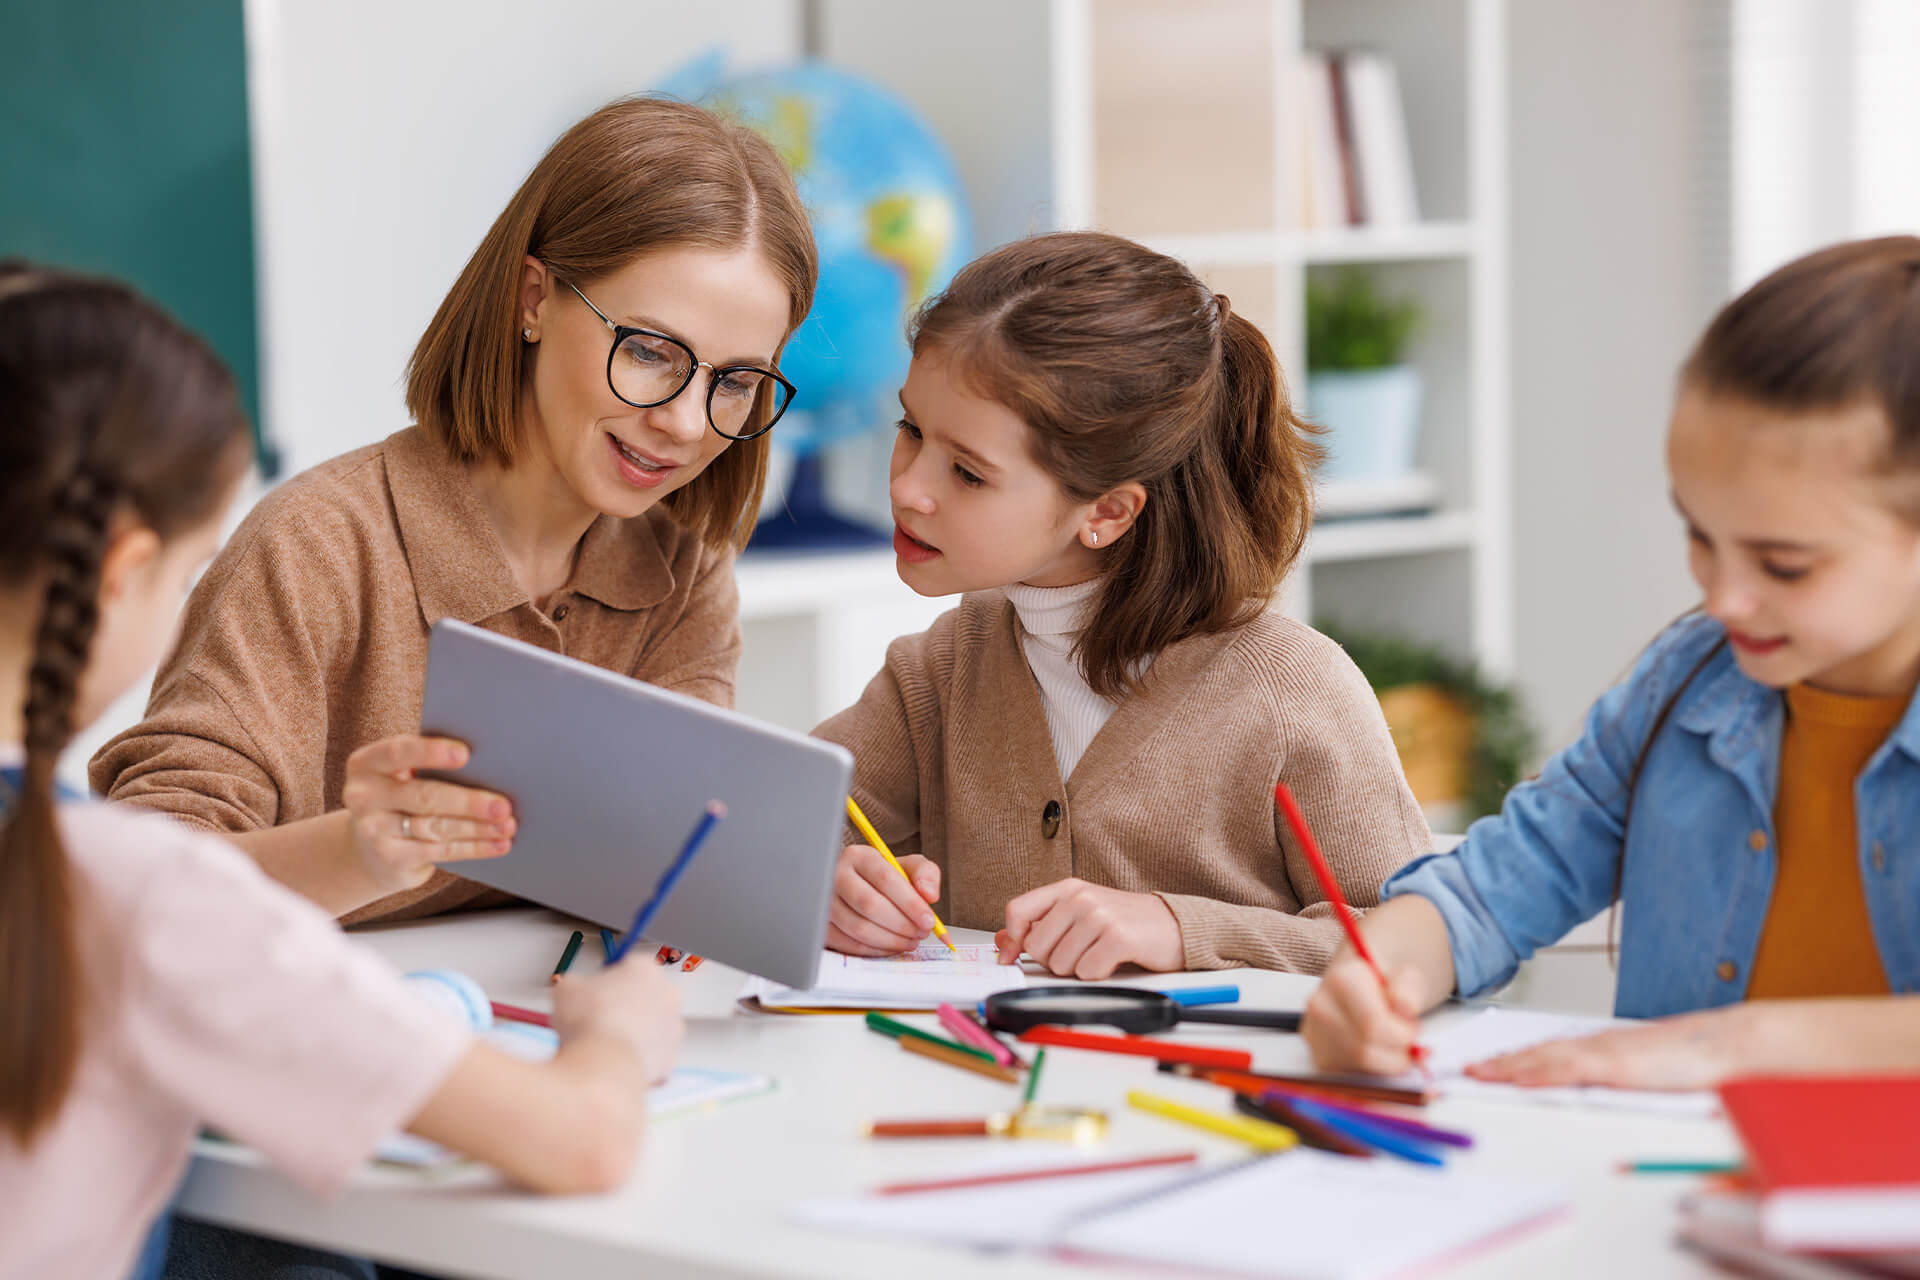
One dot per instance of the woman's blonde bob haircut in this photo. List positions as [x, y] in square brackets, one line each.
[637, 175]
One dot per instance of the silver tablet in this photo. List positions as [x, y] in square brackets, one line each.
[608, 776]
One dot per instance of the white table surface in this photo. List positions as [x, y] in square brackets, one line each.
[713, 1191]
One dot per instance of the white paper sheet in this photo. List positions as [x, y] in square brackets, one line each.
[919, 979]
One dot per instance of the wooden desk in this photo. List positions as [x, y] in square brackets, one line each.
[713, 1192]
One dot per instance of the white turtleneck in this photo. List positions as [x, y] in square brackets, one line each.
[1050, 621]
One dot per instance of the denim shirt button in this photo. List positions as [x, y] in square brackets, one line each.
[1757, 841]
[1879, 857]
[1726, 971]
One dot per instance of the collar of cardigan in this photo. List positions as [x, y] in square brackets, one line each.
[459, 568]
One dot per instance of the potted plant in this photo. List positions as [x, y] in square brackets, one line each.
[1464, 740]
[1359, 385]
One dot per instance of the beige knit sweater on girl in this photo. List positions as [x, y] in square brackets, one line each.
[1174, 796]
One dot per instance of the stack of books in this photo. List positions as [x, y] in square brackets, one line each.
[1356, 161]
[1835, 1191]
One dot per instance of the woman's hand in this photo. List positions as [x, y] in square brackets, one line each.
[633, 1002]
[402, 825]
[1690, 1051]
[876, 910]
[1352, 1024]
[1081, 930]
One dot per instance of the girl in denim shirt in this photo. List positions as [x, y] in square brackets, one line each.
[1751, 793]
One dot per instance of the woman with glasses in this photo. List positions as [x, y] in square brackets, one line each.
[591, 407]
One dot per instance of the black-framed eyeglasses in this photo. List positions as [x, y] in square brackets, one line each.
[647, 368]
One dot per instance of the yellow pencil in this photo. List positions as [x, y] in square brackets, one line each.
[1257, 1133]
[865, 828]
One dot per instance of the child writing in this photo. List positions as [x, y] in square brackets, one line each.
[1751, 793]
[1101, 459]
[152, 979]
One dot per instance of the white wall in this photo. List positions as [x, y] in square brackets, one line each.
[1615, 190]
[388, 136]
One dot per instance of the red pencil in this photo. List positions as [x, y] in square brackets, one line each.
[514, 1013]
[1331, 887]
[1028, 1175]
[1142, 1047]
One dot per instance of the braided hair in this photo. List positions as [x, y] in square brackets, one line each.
[109, 411]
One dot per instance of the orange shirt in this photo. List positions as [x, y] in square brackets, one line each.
[1818, 939]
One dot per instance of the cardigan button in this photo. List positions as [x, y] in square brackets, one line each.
[1757, 841]
[560, 612]
[1726, 971]
[1879, 857]
[1050, 820]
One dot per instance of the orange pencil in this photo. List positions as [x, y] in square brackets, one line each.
[1331, 887]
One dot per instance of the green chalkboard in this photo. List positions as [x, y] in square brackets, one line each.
[123, 149]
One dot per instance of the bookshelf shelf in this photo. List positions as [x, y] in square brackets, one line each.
[1334, 541]
[1419, 242]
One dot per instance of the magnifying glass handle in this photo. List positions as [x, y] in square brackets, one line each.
[1276, 1019]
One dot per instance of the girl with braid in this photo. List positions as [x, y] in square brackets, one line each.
[153, 979]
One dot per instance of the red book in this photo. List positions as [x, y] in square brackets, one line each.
[1837, 1159]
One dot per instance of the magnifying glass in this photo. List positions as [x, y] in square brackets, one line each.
[1059, 1124]
[1134, 1010]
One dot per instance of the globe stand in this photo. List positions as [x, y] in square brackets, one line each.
[807, 523]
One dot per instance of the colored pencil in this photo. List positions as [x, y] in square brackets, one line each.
[872, 837]
[566, 957]
[1331, 887]
[954, 1056]
[1312, 1132]
[1192, 997]
[971, 1033]
[514, 1013]
[901, 1031]
[644, 916]
[1030, 1175]
[1332, 1088]
[1142, 1047]
[608, 947]
[667, 955]
[1376, 1136]
[1033, 1078]
[1682, 1166]
[1415, 1129]
[691, 963]
[1264, 1135]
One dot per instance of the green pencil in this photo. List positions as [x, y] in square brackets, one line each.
[888, 1027]
[566, 957]
[1681, 1166]
[1033, 1077]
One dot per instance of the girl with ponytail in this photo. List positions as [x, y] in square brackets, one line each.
[1750, 794]
[1100, 458]
[153, 979]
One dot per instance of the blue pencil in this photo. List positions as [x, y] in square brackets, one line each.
[1395, 1144]
[607, 945]
[642, 917]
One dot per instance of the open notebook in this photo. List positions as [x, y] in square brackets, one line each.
[923, 978]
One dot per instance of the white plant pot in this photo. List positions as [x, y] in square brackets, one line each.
[1372, 417]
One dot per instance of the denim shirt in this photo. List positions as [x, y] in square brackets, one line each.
[1700, 856]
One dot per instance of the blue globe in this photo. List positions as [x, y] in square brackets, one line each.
[889, 214]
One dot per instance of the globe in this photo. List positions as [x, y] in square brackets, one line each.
[890, 217]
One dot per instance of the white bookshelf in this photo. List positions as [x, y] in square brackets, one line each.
[1173, 123]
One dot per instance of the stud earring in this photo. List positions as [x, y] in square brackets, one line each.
[1093, 539]
[527, 334]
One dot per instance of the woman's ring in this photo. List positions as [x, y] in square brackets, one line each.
[406, 826]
